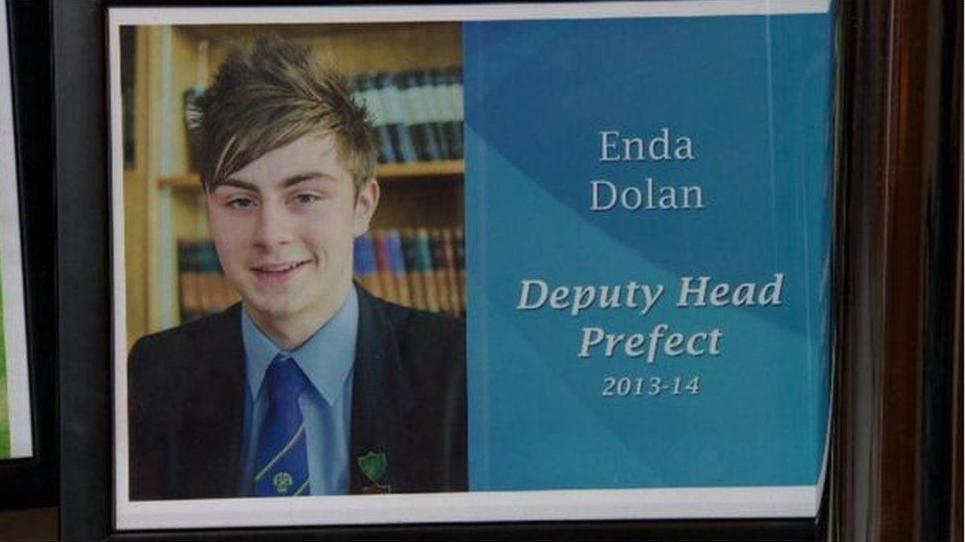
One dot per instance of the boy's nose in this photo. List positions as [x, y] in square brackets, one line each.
[273, 226]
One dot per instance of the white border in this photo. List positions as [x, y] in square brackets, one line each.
[15, 329]
[736, 502]
[733, 502]
[429, 13]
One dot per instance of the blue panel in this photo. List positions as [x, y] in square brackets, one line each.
[751, 96]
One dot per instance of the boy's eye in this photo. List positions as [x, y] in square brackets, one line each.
[241, 203]
[306, 198]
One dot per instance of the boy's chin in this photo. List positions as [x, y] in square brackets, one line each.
[271, 311]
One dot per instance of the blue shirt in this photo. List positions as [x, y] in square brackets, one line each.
[326, 406]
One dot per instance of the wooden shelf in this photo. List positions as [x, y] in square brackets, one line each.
[385, 172]
[188, 180]
[443, 168]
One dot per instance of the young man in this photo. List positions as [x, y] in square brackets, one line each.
[310, 386]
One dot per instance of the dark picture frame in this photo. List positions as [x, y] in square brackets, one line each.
[86, 341]
[32, 481]
[897, 447]
[85, 332]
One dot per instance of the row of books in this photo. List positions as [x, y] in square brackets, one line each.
[418, 114]
[421, 268]
[204, 288]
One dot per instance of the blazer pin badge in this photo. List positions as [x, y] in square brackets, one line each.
[373, 466]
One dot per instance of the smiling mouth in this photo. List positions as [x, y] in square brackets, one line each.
[276, 273]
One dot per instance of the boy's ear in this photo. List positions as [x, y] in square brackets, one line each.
[366, 201]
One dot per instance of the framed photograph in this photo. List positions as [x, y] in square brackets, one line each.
[491, 268]
[27, 392]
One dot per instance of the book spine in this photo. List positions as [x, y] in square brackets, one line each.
[366, 93]
[401, 83]
[449, 117]
[410, 253]
[397, 266]
[439, 272]
[454, 80]
[419, 121]
[366, 270]
[435, 110]
[384, 264]
[426, 273]
[190, 299]
[396, 117]
[451, 273]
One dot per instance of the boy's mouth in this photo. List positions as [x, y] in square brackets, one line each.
[276, 273]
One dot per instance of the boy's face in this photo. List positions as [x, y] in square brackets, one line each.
[284, 226]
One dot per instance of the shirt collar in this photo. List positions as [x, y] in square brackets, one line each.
[326, 358]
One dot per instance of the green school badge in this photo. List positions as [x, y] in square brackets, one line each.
[373, 466]
[282, 481]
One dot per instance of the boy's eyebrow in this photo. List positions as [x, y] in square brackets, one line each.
[290, 181]
[308, 176]
[237, 183]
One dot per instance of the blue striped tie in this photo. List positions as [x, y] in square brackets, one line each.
[281, 461]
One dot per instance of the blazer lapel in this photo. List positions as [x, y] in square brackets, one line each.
[381, 397]
[216, 399]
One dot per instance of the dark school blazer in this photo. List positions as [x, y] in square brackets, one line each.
[186, 394]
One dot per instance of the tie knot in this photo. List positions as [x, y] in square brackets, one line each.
[285, 379]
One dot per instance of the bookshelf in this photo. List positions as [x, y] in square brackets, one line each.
[163, 202]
